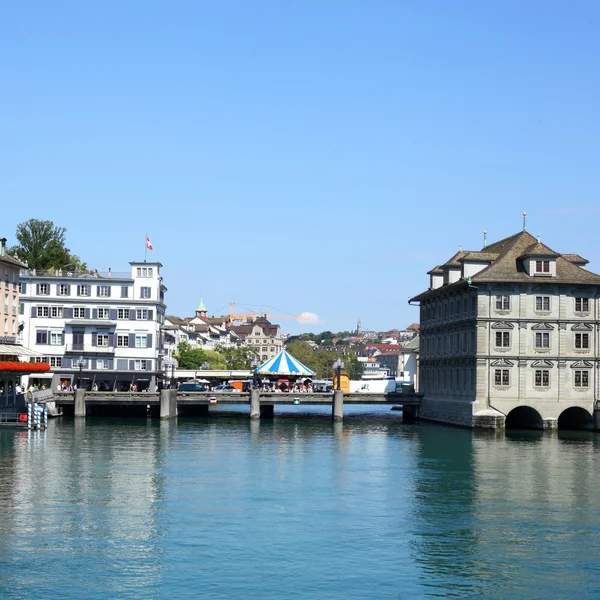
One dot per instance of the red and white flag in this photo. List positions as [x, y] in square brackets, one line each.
[148, 243]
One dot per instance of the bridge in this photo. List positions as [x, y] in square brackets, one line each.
[169, 403]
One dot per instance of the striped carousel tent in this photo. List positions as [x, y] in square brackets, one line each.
[284, 365]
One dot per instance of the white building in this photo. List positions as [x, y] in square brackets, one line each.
[100, 328]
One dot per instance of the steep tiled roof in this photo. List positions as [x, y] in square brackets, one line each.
[11, 260]
[482, 256]
[539, 249]
[575, 259]
[414, 344]
[175, 320]
[507, 264]
[455, 260]
[436, 271]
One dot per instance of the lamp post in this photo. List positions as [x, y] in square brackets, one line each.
[338, 365]
[80, 364]
[204, 366]
[254, 364]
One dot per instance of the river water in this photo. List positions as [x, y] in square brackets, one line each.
[296, 507]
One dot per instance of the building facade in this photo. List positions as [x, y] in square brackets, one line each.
[13, 369]
[509, 336]
[96, 329]
[264, 336]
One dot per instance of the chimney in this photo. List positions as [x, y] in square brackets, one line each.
[2, 246]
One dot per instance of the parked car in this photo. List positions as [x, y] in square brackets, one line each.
[192, 386]
[225, 388]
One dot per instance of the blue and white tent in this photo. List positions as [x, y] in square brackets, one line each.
[285, 365]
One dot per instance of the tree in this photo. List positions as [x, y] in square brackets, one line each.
[42, 246]
[303, 352]
[237, 357]
[190, 358]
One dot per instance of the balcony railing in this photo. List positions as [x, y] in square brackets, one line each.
[88, 348]
[62, 273]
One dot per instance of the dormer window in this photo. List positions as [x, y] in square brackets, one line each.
[542, 266]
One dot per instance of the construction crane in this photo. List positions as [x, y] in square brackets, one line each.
[248, 317]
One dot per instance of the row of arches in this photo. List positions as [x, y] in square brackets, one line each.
[525, 417]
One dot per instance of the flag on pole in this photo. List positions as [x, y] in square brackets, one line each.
[148, 243]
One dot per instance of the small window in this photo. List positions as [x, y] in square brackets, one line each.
[542, 339]
[83, 290]
[141, 314]
[542, 303]
[141, 365]
[23, 288]
[582, 304]
[502, 302]
[502, 339]
[43, 311]
[103, 313]
[502, 377]
[582, 341]
[101, 363]
[124, 291]
[56, 339]
[582, 379]
[145, 292]
[79, 312]
[542, 378]
[542, 266]
[56, 312]
[123, 341]
[141, 341]
[41, 337]
[63, 289]
[104, 291]
[44, 289]
[123, 313]
[102, 339]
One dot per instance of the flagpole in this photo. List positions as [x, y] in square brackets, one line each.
[145, 246]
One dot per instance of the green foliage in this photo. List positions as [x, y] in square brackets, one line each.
[190, 358]
[322, 362]
[238, 357]
[42, 246]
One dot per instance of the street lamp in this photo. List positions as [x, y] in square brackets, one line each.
[204, 366]
[338, 365]
[254, 363]
[80, 363]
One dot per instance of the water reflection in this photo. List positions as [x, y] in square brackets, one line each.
[75, 501]
[503, 514]
[365, 508]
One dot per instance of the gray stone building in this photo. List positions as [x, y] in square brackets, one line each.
[509, 336]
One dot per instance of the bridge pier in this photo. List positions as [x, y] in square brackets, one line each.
[79, 404]
[255, 404]
[168, 404]
[267, 411]
[337, 409]
[410, 413]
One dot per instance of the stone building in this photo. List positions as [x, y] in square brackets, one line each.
[262, 335]
[509, 336]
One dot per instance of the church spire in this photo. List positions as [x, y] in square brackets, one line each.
[201, 311]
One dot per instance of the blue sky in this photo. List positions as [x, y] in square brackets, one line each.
[314, 156]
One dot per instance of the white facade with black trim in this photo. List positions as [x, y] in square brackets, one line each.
[104, 329]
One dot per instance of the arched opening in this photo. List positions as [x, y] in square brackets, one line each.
[524, 417]
[575, 418]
